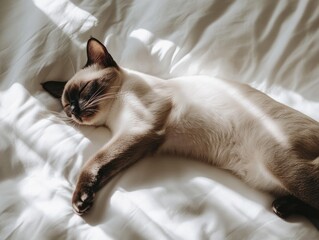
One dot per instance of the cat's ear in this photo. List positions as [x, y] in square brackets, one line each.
[55, 88]
[98, 54]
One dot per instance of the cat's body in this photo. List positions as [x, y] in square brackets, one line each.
[227, 124]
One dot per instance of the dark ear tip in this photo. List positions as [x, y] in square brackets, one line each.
[94, 40]
[44, 85]
[47, 85]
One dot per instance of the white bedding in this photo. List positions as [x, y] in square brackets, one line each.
[272, 45]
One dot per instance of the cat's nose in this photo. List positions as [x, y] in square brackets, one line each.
[72, 108]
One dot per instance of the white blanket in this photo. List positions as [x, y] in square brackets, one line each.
[272, 45]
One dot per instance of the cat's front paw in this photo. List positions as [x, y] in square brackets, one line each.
[82, 199]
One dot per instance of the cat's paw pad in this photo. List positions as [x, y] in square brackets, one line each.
[82, 200]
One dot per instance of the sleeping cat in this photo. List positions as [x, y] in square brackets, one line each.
[227, 124]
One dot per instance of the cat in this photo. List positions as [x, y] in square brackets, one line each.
[231, 125]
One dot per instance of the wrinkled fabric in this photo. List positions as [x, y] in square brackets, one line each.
[271, 45]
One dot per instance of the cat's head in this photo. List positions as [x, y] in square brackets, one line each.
[87, 96]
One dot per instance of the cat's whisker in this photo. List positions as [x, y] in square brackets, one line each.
[48, 112]
[117, 87]
[59, 117]
[51, 119]
[56, 118]
[99, 90]
[74, 124]
[73, 68]
[100, 99]
[117, 94]
[95, 99]
[106, 96]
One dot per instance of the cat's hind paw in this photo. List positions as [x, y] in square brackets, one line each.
[287, 206]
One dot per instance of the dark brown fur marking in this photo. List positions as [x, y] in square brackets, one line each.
[120, 155]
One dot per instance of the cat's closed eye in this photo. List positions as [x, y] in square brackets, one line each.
[83, 87]
[90, 90]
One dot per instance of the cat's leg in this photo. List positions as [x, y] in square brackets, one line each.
[117, 155]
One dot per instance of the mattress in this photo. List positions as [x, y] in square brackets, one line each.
[271, 45]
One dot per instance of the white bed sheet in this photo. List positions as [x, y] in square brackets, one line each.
[272, 45]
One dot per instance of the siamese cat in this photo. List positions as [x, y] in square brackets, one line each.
[227, 124]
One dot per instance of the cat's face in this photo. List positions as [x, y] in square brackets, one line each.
[89, 93]
[87, 96]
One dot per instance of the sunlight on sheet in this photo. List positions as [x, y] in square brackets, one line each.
[224, 194]
[71, 19]
[160, 47]
[261, 116]
[41, 185]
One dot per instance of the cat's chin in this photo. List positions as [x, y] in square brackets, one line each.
[75, 121]
[85, 122]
